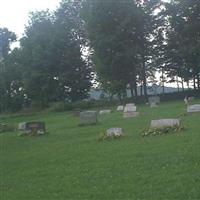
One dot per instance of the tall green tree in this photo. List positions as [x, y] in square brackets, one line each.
[112, 30]
[74, 69]
[183, 40]
[8, 74]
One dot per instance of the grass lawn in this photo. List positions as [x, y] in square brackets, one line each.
[70, 162]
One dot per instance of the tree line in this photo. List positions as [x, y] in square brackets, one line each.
[118, 44]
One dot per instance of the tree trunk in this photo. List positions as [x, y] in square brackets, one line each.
[198, 81]
[163, 82]
[188, 85]
[135, 89]
[177, 84]
[132, 93]
[182, 83]
[144, 77]
[119, 97]
[141, 90]
[194, 82]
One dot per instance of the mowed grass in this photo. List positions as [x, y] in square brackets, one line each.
[70, 162]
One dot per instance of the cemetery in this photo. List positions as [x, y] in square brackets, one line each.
[100, 100]
[82, 160]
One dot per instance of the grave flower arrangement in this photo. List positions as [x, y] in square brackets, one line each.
[162, 131]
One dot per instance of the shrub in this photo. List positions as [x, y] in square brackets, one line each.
[61, 107]
[162, 131]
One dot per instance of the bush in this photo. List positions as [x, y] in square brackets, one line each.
[162, 131]
[61, 107]
[80, 105]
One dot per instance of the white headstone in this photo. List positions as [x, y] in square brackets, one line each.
[130, 108]
[104, 112]
[22, 126]
[161, 123]
[193, 108]
[120, 108]
[114, 132]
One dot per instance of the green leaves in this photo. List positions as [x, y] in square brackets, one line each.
[162, 131]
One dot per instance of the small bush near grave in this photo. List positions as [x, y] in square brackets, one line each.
[162, 131]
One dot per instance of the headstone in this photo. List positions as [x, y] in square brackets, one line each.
[22, 126]
[153, 100]
[193, 108]
[114, 132]
[104, 112]
[130, 108]
[130, 111]
[35, 128]
[88, 117]
[153, 105]
[162, 123]
[120, 108]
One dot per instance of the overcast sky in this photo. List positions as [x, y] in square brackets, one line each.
[14, 13]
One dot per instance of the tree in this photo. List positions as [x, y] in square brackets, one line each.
[74, 69]
[112, 30]
[8, 75]
[52, 54]
[183, 40]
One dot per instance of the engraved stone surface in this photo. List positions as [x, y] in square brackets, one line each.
[88, 117]
[104, 112]
[120, 108]
[162, 123]
[193, 108]
[114, 132]
[154, 100]
[130, 108]
[153, 105]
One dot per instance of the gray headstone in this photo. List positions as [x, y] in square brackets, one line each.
[35, 127]
[88, 117]
[193, 108]
[120, 108]
[162, 123]
[153, 105]
[154, 99]
[104, 112]
[114, 132]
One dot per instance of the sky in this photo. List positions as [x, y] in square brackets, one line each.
[14, 13]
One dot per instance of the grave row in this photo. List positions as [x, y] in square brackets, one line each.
[91, 117]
